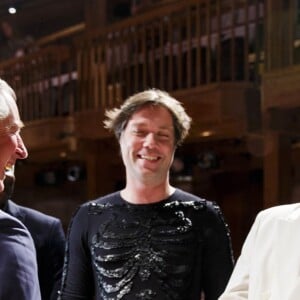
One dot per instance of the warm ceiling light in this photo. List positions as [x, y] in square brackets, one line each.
[63, 154]
[206, 133]
[12, 10]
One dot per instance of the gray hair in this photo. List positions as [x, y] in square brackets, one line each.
[7, 95]
[117, 118]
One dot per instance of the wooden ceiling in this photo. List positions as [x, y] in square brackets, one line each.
[42, 17]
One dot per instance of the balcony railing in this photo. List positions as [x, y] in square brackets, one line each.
[182, 45]
[43, 82]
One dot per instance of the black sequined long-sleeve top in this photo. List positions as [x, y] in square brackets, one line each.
[170, 250]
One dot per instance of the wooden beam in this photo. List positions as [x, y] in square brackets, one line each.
[277, 169]
[66, 32]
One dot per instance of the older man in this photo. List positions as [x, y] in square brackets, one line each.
[48, 237]
[18, 267]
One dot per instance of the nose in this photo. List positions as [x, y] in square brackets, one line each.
[149, 140]
[21, 150]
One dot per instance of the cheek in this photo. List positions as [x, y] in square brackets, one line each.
[169, 149]
[124, 148]
[12, 143]
[129, 144]
[8, 146]
[8, 142]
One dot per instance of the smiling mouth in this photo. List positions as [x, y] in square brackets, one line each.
[150, 158]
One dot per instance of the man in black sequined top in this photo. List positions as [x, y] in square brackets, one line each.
[149, 240]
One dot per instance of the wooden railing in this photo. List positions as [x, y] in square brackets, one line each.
[282, 28]
[182, 45]
[44, 82]
[65, 36]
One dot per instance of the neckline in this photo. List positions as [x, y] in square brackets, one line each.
[152, 204]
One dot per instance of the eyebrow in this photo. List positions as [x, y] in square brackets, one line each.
[5, 130]
[142, 124]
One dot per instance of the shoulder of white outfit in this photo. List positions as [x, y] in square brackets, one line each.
[287, 211]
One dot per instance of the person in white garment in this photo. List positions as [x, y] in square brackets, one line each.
[269, 265]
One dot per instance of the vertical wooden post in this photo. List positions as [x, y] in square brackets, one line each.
[91, 157]
[104, 167]
[277, 169]
[95, 13]
[279, 33]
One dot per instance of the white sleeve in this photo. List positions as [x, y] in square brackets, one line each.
[238, 285]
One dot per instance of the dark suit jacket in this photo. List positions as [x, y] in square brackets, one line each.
[18, 267]
[49, 240]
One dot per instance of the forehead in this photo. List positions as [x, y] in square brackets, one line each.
[157, 114]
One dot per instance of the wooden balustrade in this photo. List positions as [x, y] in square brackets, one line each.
[64, 36]
[182, 45]
[44, 82]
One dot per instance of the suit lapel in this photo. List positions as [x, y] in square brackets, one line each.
[14, 210]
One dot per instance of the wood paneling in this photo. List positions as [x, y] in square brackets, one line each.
[281, 88]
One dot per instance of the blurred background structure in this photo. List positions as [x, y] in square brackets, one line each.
[233, 63]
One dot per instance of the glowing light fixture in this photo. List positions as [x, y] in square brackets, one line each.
[12, 10]
[206, 133]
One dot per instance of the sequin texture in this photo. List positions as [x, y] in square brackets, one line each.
[174, 249]
[131, 246]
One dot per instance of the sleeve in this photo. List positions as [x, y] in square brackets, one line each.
[18, 266]
[77, 279]
[56, 244]
[217, 257]
[238, 285]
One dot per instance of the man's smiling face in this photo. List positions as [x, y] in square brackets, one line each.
[11, 143]
[148, 144]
